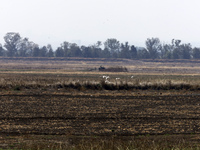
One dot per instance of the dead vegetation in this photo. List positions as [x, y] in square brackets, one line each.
[113, 69]
[64, 65]
[83, 82]
[138, 109]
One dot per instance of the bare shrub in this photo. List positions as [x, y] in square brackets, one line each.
[114, 69]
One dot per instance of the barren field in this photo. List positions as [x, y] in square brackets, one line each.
[71, 98]
[99, 114]
[63, 65]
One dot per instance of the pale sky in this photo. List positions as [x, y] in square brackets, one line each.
[55, 21]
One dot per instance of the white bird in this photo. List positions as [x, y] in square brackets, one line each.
[107, 77]
[104, 76]
[107, 81]
[132, 76]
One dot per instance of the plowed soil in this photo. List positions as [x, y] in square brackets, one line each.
[99, 114]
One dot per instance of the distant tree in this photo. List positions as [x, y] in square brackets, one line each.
[98, 44]
[65, 46]
[176, 54]
[75, 51]
[106, 53]
[43, 51]
[176, 43]
[24, 47]
[86, 52]
[113, 45]
[36, 51]
[143, 54]
[196, 53]
[2, 51]
[166, 51]
[12, 40]
[50, 52]
[181, 51]
[153, 45]
[59, 52]
[16, 46]
[125, 50]
[133, 52]
[30, 48]
[186, 50]
[115, 55]
[96, 51]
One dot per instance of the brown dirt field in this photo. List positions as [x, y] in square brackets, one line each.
[99, 114]
[64, 65]
[42, 110]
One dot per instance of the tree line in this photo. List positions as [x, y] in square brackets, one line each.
[16, 46]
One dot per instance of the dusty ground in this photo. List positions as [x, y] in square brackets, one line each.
[99, 114]
[60, 112]
[63, 65]
[71, 119]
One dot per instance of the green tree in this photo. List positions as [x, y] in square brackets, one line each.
[166, 51]
[59, 52]
[125, 52]
[86, 52]
[50, 52]
[133, 52]
[96, 51]
[106, 53]
[12, 40]
[143, 54]
[186, 50]
[30, 48]
[66, 49]
[176, 54]
[75, 50]
[196, 53]
[36, 51]
[113, 45]
[153, 45]
[43, 51]
[181, 51]
[2, 51]
[98, 44]
[23, 47]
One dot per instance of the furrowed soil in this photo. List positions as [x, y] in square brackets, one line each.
[35, 106]
[99, 114]
[67, 120]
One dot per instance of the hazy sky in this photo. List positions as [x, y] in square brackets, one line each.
[55, 21]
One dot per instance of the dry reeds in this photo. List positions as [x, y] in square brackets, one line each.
[35, 83]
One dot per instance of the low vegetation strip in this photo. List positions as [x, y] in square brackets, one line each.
[103, 85]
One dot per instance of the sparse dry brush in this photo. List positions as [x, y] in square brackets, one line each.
[94, 82]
